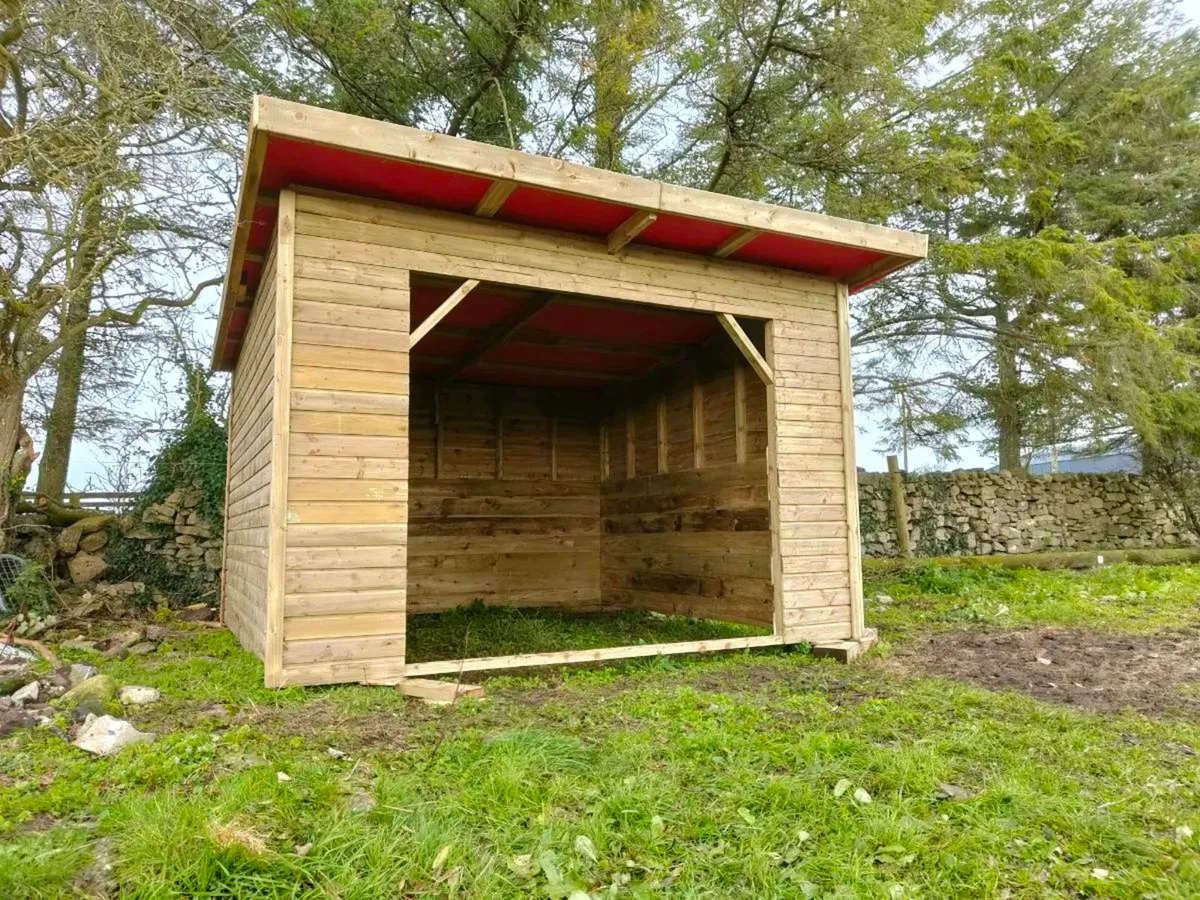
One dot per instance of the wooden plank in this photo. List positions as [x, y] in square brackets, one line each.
[285, 242]
[851, 466]
[629, 229]
[566, 657]
[736, 242]
[387, 360]
[343, 625]
[661, 433]
[443, 310]
[739, 413]
[493, 201]
[344, 649]
[444, 691]
[630, 445]
[352, 402]
[698, 448]
[366, 424]
[743, 342]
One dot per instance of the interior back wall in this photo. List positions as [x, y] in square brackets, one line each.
[504, 498]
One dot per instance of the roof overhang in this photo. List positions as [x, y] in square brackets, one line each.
[291, 144]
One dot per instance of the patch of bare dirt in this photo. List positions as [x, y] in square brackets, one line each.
[1090, 670]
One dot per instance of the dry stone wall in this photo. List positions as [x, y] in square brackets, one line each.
[976, 513]
[176, 530]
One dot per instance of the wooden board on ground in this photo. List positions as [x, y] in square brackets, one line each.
[431, 689]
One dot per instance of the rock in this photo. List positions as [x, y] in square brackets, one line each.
[159, 514]
[81, 672]
[116, 652]
[12, 719]
[120, 639]
[212, 558]
[100, 688]
[14, 675]
[157, 632]
[92, 524]
[197, 612]
[194, 530]
[68, 539]
[140, 533]
[142, 648]
[85, 567]
[27, 694]
[106, 735]
[94, 541]
[136, 695]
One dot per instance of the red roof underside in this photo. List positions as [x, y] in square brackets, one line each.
[294, 163]
[571, 342]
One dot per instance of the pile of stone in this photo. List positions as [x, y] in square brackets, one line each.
[189, 542]
[74, 701]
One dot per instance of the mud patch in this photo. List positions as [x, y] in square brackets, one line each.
[1103, 672]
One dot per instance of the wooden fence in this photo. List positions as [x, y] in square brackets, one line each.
[110, 502]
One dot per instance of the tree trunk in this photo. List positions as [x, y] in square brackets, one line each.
[12, 393]
[1006, 405]
[60, 426]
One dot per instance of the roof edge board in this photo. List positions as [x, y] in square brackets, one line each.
[314, 124]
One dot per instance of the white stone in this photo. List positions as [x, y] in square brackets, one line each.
[136, 695]
[106, 735]
[27, 694]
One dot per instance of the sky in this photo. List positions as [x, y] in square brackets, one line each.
[87, 462]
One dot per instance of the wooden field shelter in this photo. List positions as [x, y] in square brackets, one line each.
[466, 374]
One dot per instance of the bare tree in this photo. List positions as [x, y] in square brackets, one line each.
[114, 169]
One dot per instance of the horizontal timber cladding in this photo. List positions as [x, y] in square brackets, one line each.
[346, 573]
[249, 474]
[504, 501]
[815, 517]
[360, 241]
[686, 513]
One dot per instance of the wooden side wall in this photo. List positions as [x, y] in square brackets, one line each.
[345, 578]
[504, 501]
[686, 510]
[811, 415]
[249, 474]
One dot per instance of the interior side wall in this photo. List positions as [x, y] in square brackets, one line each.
[344, 586]
[504, 503]
[686, 507]
[248, 478]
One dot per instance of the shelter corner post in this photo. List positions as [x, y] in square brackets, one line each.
[857, 625]
[285, 258]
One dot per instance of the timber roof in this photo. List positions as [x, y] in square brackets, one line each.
[294, 145]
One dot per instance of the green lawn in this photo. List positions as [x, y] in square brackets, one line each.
[763, 774]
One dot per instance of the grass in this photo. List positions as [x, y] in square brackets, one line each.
[763, 774]
[500, 631]
[1121, 598]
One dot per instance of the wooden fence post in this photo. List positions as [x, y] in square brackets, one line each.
[899, 507]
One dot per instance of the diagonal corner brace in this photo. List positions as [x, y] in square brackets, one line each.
[442, 311]
[757, 363]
